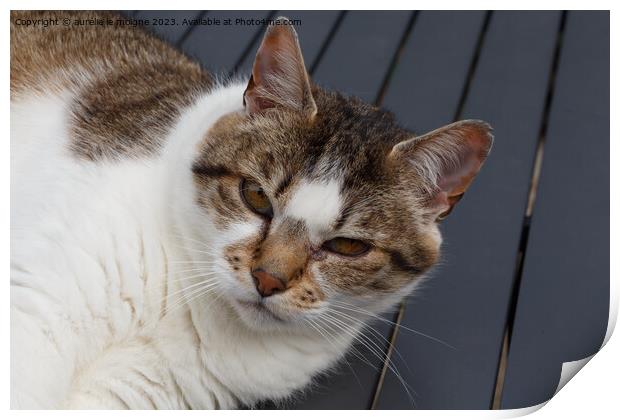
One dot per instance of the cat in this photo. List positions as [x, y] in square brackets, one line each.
[179, 242]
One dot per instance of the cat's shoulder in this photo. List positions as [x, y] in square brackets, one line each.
[127, 87]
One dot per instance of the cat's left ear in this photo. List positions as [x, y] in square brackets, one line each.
[279, 77]
[445, 161]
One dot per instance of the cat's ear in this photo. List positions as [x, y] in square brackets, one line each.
[279, 77]
[446, 160]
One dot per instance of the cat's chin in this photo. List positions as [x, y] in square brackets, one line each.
[257, 316]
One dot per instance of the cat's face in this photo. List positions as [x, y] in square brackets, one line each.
[321, 202]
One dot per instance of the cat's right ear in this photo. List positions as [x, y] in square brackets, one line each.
[279, 77]
[446, 161]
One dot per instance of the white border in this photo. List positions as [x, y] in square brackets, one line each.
[594, 394]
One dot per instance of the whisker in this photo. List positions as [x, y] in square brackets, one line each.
[381, 356]
[351, 332]
[209, 253]
[376, 333]
[208, 282]
[185, 238]
[318, 328]
[205, 271]
[189, 270]
[190, 262]
[202, 274]
[364, 312]
[357, 353]
[186, 299]
[357, 334]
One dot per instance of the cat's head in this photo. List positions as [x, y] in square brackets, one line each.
[321, 202]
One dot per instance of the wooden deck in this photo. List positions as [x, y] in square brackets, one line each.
[524, 285]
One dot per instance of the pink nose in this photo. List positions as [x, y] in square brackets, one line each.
[267, 284]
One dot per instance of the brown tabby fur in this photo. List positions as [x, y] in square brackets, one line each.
[131, 87]
[348, 139]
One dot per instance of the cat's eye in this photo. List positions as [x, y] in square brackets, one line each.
[255, 198]
[347, 246]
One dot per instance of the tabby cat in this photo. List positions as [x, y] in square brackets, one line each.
[178, 242]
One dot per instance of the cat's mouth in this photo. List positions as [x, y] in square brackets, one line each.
[260, 308]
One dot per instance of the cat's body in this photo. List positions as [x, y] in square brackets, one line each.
[109, 235]
[99, 235]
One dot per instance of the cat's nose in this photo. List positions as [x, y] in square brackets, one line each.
[267, 284]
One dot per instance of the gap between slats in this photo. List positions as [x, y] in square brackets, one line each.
[327, 41]
[457, 115]
[378, 101]
[244, 54]
[527, 218]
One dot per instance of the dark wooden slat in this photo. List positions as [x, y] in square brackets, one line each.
[355, 387]
[314, 28]
[424, 95]
[465, 303]
[424, 90]
[220, 47]
[563, 303]
[168, 24]
[356, 62]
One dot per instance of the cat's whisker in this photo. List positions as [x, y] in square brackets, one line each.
[389, 364]
[164, 300]
[338, 329]
[190, 262]
[208, 247]
[352, 350]
[375, 333]
[200, 294]
[376, 349]
[203, 292]
[188, 270]
[186, 299]
[209, 253]
[199, 270]
[202, 264]
[381, 355]
[202, 274]
[380, 318]
[327, 328]
[191, 286]
[215, 270]
[209, 283]
[318, 329]
[188, 238]
[201, 278]
[204, 247]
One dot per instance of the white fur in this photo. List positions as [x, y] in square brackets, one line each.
[93, 267]
[318, 204]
